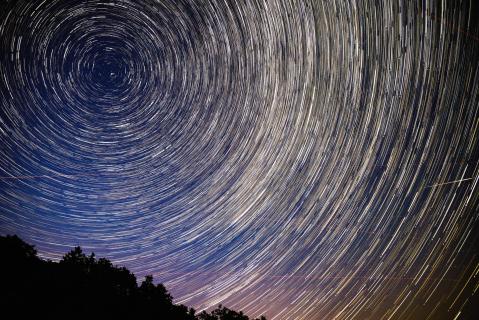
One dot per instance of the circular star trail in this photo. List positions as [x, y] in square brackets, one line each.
[298, 159]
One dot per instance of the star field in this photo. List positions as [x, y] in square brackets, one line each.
[298, 159]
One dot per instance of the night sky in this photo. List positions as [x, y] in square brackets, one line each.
[297, 159]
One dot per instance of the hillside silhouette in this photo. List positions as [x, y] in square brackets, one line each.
[81, 286]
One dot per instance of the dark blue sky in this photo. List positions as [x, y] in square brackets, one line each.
[301, 160]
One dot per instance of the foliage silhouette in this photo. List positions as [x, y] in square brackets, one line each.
[223, 313]
[83, 287]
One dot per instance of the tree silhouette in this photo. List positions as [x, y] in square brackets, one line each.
[82, 287]
[223, 313]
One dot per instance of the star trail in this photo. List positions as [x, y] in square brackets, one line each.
[297, 159]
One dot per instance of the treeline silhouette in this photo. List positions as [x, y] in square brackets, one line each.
[83, 287]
